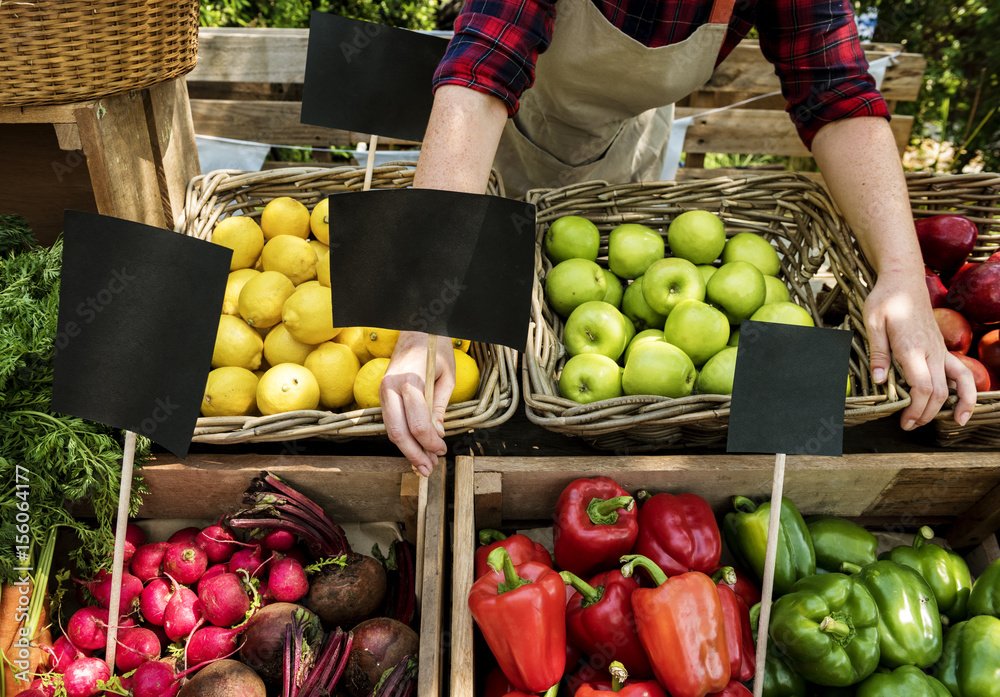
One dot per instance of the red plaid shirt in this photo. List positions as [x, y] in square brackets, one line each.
[813, 45]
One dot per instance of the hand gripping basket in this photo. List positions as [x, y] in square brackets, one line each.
[60, 51]
[786, 208]
[224, 192]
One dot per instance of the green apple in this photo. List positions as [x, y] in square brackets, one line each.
[751, 247]
[572, 237]
[697, 329]
[737, 289]
[697, 236]
[629, 331]
[784, 313]
[635, 307]
[642, 337]
[734, 337]
[848, 384]
[596, 327]
[658, 368]
[615, 290]
[707, 270]
[573, 282]
[716, 376]
[632, 248]
[590, 377]
[777, 291]
[668, 281]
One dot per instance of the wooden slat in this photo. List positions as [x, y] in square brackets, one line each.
[431, 663]
[462, 680]
[489, 500]
[977, 523]
[175, 152]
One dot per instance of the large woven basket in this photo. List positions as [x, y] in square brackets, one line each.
[786, 208]
[60, 51]
[976, 196]
[225, 192]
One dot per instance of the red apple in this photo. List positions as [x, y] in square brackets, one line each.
[935, 287]
[946, 240]
[976, 293]
[988, 350]
[955, 329]
[980, 373]
[995, 256]
[949, 277]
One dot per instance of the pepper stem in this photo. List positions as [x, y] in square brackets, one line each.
[618, 676]
[849, 568]
[552, 691]
[726, 574]
[488, 536]
[836, 627]
[633, 560]
[925, 534]
[605, 511]
[499, 560]
[743, 504]
[591, 595]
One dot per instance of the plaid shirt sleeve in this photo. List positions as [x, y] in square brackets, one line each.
[495, 47]
[816, 53]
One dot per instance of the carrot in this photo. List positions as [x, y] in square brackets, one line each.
[13, 615]
[10, 618]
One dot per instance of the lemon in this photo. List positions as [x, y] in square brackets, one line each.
[287, 387]
[258, 265]
[461, 344]
[236, 344]
[308, 283]
[242, 235]
[237, 279]
[262, 298]
[466, 378]
[367, 381]
[284, 216]
[308, 315]
[354, 338]
[230, 391]
[335, 367]
[381, 342]
[319, 221]
[282, 347]
[318, 247]
[323, 269]
[291, 256]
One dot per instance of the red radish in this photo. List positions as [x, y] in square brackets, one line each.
[87, 628]
[34, 692]
[40, 688]
[153, 600]
[82, 676]
[224, 600]
[185, 562]
[278, 541]
[184, 612]
[211, 572]
[128, 601]
[154, 679]
[294, 553]
[136, 646]
[287, 581]
[264, 593]
[160, 634]
[218, 542]
[64, 653]
[212, 643]
[135, 537]
[248, 559]
[184, 535]
[147, 560]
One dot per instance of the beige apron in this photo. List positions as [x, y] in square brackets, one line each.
[602, 103]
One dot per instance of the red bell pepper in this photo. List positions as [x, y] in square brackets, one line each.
[682, 629]
[522, 614]
[679, 533]
[743, 587]
[599, 620]
[497, 684]
[551, 692]
[594, 524]
[739, 636]
[520, 547]
[734, 689]
[620, 686]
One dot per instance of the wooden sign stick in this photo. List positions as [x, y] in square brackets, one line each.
[118, 559]
[773, 527]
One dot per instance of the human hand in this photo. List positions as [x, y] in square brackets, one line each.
[899, 319]
[416, 431]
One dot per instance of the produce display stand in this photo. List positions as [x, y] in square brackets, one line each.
[956, 493]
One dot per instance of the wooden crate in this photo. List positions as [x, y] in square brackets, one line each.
[350, 489]
[957, 493]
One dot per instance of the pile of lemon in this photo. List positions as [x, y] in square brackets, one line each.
[276, 349]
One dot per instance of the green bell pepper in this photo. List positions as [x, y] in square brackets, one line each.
[945, 572]
[827, 625]
[909, 624]
[814, 690]
[905, 681]
[985, 596]
[970, 664]
[838, 540]
[745, 530]
[780, 679]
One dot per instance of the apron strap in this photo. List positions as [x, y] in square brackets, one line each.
[722, 10]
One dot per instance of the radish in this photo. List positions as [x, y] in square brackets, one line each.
[185, 562]
[184, 535]
[224, 600]
[128, 601]
[160, 634]
[212, 643]
[248, 559]
[87, 628]
[64, 653]
[278, 540]
[153, 600]
[137, 645]
[135, 537]
[39, 688]
[147, 560]
[264, 593]
[154, 679]
[211, 572]
[287, 581]
[218, 542]
[183, 614]
[82, 676]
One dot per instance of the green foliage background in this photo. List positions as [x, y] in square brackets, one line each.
[408, 14]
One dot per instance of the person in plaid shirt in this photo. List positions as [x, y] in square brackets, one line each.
[552, 93]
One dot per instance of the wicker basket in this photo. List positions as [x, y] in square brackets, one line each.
[976, 196]
[226, 192]
[60, 51]
[787, 209]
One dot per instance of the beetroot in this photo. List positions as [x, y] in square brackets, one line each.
[264, 639]
[224, 678]
[224, 600]
[147, 561]
[128, 598]
[87, 628]
[185, 562]
[212, 643]
[153, 600]
[154, 679]
[64, 653]
[211, 572]
[136, 646]
[184, 535]
[343, 596]
[82, 676]
[379, 644]
[248, 559]
[183, 614]
[287, 580]
[278, 540]
[218, 542]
